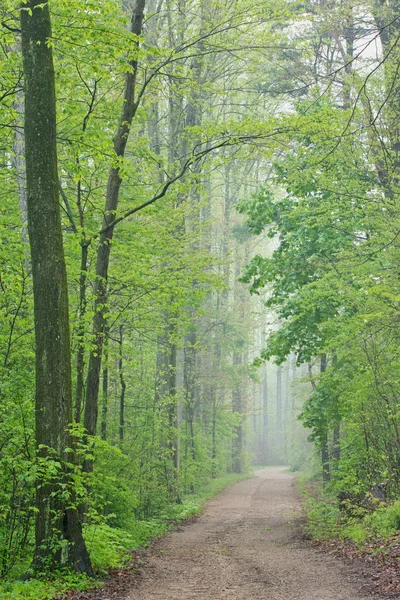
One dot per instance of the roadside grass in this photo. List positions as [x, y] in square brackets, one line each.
[110, 547]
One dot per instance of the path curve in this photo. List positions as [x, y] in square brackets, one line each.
[243, 547]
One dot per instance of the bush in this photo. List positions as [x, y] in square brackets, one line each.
[322, 519]
[385, 521]
[107, 546]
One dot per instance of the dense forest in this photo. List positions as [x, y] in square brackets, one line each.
[198, 272]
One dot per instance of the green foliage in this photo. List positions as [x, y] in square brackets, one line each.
[330, 281]
[322, 519]
[165, 277]
[355, 532]
[385, 520]
[44, 589]
[181, 328]
[359, 520]
[108, 545]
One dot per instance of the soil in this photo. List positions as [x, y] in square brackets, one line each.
[246, 546]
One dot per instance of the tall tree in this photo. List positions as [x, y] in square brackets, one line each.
[103, 253]
[56, 519]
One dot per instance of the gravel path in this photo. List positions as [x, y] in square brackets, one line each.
[243, 547]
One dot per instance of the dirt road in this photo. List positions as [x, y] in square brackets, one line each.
[243, 547]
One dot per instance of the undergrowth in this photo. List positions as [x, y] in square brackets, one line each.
[109, 547]
[44, 589]
[365, 523]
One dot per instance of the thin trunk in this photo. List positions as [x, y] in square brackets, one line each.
[326, 468]
[265, 416]
[103, 253]
[214, 435]
[123, 387]
[292, 391]
[287, 392]
[384, 14]
[173, 409]
[80, 359]
[104, 400]
[237, 407]
[20, 172]
[336, 433]
[189, 378]
[336, 444]
[214, 369]
[165, 389]
[279, 407]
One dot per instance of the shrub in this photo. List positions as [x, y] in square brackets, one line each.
[385, 521]
[322, 519]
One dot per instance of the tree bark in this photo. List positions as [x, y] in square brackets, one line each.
[56, 519]
[123, 387]
[214, 435]
[326, 467]
[166, 389]
[20, 171]
[336, 444]
[80, 358]
[103, 253]
[265, 416]
[279, 407]
[189, 379]
[104, 400]
[237, 407]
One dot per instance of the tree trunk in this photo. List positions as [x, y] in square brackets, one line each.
[20, 171]
[214, 435]
[56, 520]
[80, 359]
[336, 444]
[326, 468]
[189, 379]
[104, 400]
[123, 387]
[173, 409]
[293, 395]
[336, 434]
[237, 407]
[279, 407]
[265, 416]
[166, 386]
[103, 253]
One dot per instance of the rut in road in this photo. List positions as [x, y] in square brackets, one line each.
[243, 547]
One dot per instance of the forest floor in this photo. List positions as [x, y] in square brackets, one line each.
[246, 545]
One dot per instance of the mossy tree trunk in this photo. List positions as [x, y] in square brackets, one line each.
[58, 530]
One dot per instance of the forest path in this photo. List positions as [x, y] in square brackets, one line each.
[244, 547]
